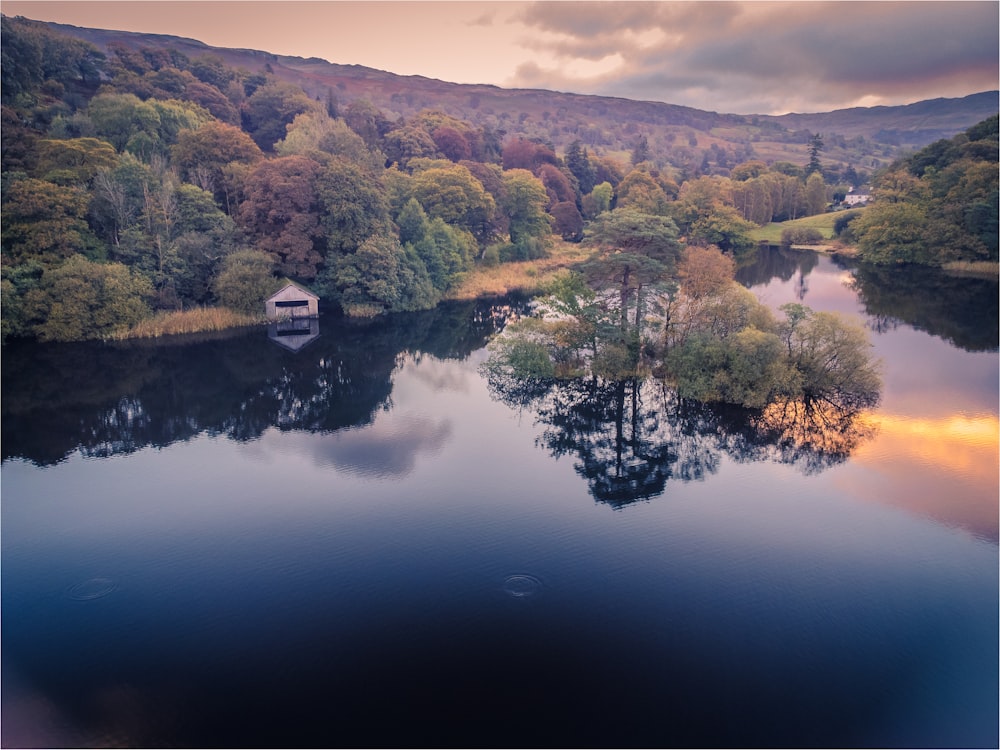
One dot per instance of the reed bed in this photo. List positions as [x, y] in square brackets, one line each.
[524, 277]
[195, 320]
[987, 268]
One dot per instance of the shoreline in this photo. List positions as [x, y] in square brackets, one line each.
[522, 277]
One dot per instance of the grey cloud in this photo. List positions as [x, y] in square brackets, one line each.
[486, 19]
[768, 57]
[589, 19]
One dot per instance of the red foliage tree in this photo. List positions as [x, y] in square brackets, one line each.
[452, 143]
[281, 213]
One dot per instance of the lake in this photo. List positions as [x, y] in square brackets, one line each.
[347, 536]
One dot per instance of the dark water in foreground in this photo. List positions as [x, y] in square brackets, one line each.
[228, 543]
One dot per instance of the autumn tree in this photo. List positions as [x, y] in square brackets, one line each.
[281, 214]
[567, 221]
[452, 143]
[521, 153]
[557, 184]
[217, 157]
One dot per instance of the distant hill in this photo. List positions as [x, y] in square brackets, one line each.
[910, 125]
[863, 137]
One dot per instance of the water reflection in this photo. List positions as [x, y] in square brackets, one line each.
[110, 399]
[960, 310]
[294, 333]
[630, 437]
[768, 263]
[387, 449]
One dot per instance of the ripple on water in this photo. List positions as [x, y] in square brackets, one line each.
[92, 588]
[522, 586]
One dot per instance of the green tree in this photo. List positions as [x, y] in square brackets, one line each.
[408, 142]
[123, 119]
[524, 206]
[602, 195]
[815, 146]
[353, 206]
[245, 281]
[367, 120]
[316, 135]
[724, 228]
[203, 235]
[74, 160]
[578, 162]
[445, 251]
[889, 233]
[747, 368]
[381, 277]
[452, 194]
[639, 191]
[634, 251]
[640, 151]
[832, 357]
[45, 222]
[271, 108]
[816, 198]
[81, 299]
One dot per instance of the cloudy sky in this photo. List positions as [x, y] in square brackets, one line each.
[740, 57]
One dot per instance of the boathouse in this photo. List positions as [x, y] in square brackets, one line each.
[291, 301]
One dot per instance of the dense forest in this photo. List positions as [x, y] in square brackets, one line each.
[138, 180]
[936, 206]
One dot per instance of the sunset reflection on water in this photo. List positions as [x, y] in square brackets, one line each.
[944, 468]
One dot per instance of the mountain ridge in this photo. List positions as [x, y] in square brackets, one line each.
[868, 137]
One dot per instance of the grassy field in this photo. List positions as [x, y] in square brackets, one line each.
[772, 232]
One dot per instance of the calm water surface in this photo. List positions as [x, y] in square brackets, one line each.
[229, 542]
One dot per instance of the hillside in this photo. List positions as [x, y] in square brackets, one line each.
[910, 126]
[865, 138]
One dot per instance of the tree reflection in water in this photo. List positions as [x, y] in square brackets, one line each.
[112, 399]
[631, 436]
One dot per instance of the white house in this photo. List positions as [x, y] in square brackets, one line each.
[291, 301]
[859, 196]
